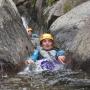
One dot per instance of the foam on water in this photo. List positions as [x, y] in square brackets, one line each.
[37, 68]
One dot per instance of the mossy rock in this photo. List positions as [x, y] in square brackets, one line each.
[50, 2]
[69, 4]
[67, 7]
[33, 3]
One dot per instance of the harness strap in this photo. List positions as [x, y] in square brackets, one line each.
[51, 56]
[48, 54]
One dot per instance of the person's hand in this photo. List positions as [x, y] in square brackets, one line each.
[29, 62]
[61, 59]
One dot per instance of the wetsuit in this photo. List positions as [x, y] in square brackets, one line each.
[41, 54]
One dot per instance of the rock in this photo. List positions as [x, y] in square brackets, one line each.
[19, 1]
[22, 6]
[14, 42]
[85, 66]
[39, 10]
[72, 31]
[28, 11]
[59, 8]
[40, 14]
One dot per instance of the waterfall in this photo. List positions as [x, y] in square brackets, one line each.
[25, 23]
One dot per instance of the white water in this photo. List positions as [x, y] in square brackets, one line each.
[36, 68]
[25, 23]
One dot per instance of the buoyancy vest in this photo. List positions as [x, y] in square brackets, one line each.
[51, 54]
[40, 53]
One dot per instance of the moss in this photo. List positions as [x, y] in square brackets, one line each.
[71, 4]
[67, 7]
[33, 3]
[50, 2]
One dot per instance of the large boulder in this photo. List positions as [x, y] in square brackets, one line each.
[72, 31]
[59, 8]
[24, 8]
[28, 10]
[40, 14]
[14, 42]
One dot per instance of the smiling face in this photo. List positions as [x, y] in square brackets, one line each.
[47, 44]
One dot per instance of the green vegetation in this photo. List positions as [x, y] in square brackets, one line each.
[33, 3]
[67, 7]
[50, 2]
[69, 4]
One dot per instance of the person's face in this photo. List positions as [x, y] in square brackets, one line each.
[29, 33]
[47, 44]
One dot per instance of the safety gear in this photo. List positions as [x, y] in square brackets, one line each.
[40, 54]
[47, 65]
[34, 56]
[61, 53]
[46, 36]
[29, 29]
[48, 54]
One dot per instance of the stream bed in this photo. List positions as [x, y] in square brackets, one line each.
[58, 80]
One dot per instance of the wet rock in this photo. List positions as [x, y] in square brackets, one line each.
[40, 14]
[85, 66]
[28, 11]
[39, 10]
[25, 8]
[72, 32]
[19, 1]
[14, 42]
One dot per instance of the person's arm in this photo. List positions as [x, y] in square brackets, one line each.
[33, 57]
[35, 54]
[61, 56]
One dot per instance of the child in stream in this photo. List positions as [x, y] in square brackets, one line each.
[29, 31]
[47, 52]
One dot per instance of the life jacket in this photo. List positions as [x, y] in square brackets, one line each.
[47, 54]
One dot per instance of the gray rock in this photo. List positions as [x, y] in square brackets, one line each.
[72, 31]
[59, 8]
[40, 14]
[19, 1]
[39, 9]
[14, 42]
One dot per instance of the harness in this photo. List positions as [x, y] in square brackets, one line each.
[51, 55]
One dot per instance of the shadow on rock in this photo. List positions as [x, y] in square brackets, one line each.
[85, 66]
[6, 68]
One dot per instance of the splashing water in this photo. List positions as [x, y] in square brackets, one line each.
[3, 73]
[57, 80]
[42, 65]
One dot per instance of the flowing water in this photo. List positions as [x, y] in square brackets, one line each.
[45, 80]
[57, 80]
